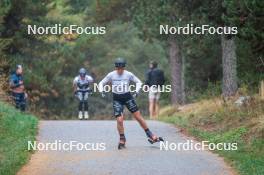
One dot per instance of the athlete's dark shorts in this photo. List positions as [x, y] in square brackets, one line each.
[119, 100]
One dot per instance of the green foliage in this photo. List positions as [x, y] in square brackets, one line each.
[16, 129]
[248, 159]
[51, 62]
[231, 136]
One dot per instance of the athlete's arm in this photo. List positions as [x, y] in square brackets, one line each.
[104, 81]
[75, 84]
[90, 79]
[14, 83]
[136, 80]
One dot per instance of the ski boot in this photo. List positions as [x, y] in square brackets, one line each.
[80, 116]
[152, 138]
[86, 115]
[122, 143]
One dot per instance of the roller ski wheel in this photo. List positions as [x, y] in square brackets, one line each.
[121, 146]
[159, 139]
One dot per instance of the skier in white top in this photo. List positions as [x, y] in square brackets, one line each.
[120, 80]
[81, 91]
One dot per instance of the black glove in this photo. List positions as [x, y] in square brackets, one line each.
[90, 91]
[75, 93]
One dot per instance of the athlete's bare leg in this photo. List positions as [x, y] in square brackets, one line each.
[155, 108]
[140, 119]
[151, 108]
[120, 124]
[137, 115]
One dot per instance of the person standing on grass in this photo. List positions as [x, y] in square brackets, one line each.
[120, 80]
[154, 80]
[18, 89]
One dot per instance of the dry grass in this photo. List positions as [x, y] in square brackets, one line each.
[219, 115]
[220, 120]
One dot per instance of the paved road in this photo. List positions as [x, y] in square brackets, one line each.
[140, 158]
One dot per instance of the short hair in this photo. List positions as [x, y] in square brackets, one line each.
[154, 63]
[19, 66]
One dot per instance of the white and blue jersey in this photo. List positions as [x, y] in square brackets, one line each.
[82, 84]
[120, 83]
[121, 91]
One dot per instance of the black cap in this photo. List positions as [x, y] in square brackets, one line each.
[120, 62]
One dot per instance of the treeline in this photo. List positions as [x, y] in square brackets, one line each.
[234, 60]
[52, 61]
[195, 65]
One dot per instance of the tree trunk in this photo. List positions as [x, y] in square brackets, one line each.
[176, 72]
[229, 64]
[261, 90]
[183, 79]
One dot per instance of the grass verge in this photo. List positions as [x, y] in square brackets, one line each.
[16, 129]
[218, 121]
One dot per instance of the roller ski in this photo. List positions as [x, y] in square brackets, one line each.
[158, 139]
[83, 115]
[152, 138]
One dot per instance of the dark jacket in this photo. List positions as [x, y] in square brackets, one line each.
[155, 77]
[15, 79]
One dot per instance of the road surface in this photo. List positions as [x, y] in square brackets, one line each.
[139, 158]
